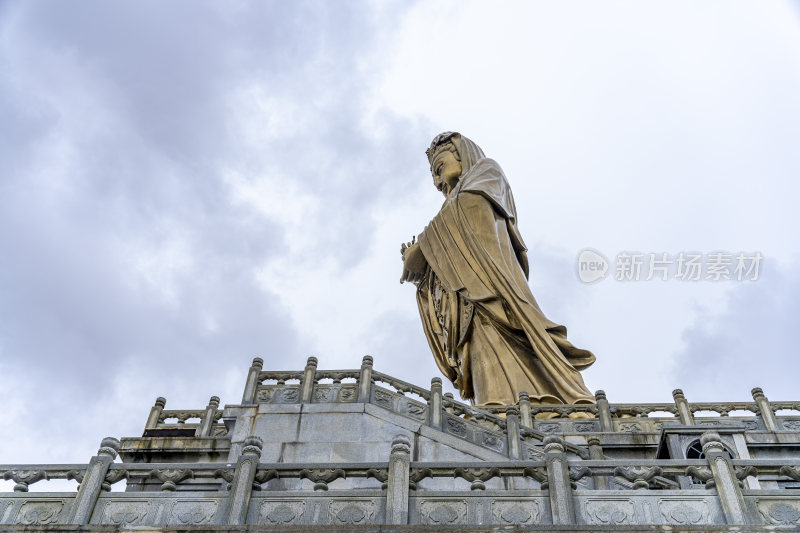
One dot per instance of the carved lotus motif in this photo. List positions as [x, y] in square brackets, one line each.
[516, 514]
[444, 514]
[192, 513]
[784, 513]
[123, 514]
[351, 514]
[685, 514]
[610, 512]
[39, 514]
[282, 514]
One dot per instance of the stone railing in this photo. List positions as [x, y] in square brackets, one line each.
[516, 432]
[558, 489]
[164, 422]
[358, 385]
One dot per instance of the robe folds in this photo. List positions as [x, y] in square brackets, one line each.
[484, 327]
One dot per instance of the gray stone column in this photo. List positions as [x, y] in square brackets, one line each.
[730, 494]
[307, 386]
[155, 413]
[435, 404]
[204, 430]
[684, 413]
[397, 485]
[765, 409]
[365, 379]
[512, 430]
[250, 386]
[242, 484]
[92, 482]
[525, 417]
[561, 505]
[596, 454]
[603, 411]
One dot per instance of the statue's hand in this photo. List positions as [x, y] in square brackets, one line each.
[414, 264]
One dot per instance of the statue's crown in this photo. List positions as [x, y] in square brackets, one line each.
[441, 140]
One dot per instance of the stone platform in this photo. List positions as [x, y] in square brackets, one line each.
[357, 450]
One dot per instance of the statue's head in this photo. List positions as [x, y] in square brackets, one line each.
[445, 160]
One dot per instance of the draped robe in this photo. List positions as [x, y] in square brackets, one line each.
[484, 327]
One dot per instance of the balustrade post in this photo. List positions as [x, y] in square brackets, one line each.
[250, 386]
[560, 488]
[765, 409]
[684, 413]
[207, 423]
[512, 430]
[397, 484]
[242, 484]
[448, 408]
[435, 404]
[725, 480]
[603, 411]
[365, 379]
[155, 413]
[307, 386]
[525, 416]
[596, 454]
[92, 482]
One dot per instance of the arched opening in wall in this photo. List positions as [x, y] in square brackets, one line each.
[695, 451]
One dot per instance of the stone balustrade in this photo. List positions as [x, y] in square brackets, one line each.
[554, 490]
[524, 465]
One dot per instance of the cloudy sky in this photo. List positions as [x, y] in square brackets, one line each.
[186, 185]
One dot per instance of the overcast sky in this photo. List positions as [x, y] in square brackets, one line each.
[187, 185]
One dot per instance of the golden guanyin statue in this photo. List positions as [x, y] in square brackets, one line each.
[470, 266]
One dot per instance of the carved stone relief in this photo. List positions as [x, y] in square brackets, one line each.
[352, 512]
[322, 394]
[685, 512]
[39, 513]
[347, 394]
[125, 513]
[415, 410]
[443, 512]
[491, 440]
[194, 512]
[584, 427]
[510, 512]
[780, 513]
[456, 427]
[534, 454]
[281, 512]
[290, 395]
[264, 395]
[610, 511]
[384, 399]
